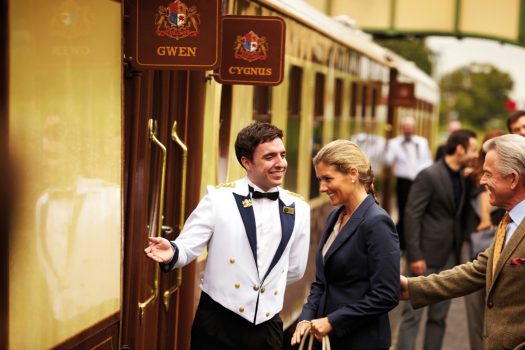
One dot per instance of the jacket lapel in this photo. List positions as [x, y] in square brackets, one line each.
[350, 227]
[287, 214]
[448, 190]
[509, 249]
[244, 204]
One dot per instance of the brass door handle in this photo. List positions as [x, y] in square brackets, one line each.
[152, 129]
[175, 137]
[167, 231]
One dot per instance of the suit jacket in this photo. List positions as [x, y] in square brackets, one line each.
[432, 220]
[357, 281]
[224, 221]
[505, 301]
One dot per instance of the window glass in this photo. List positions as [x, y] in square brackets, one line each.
[293, 127]
[317, 134]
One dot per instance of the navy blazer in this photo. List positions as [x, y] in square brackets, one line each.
[357, 284]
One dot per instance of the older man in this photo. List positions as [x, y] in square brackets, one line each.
[500, 268]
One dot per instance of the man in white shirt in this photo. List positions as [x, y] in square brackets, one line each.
[371, 144]
[257, 236]
[407, 154]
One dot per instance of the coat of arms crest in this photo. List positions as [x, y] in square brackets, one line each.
[177, 20]
[250, 47]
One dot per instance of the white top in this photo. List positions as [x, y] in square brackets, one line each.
[231, 277]
[268, 227]
[408, 157]
[374, 148]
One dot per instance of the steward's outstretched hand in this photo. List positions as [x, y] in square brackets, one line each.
[159, 250]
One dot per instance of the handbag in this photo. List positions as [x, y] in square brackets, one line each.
[481, 240]
[325, 343]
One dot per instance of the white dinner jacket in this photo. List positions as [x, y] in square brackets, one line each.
[224, 220]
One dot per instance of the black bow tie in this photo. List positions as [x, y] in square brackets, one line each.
[270, 195]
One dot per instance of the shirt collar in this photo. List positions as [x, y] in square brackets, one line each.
[257, 188]
[518, 212]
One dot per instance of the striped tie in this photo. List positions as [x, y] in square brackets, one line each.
[500, 239]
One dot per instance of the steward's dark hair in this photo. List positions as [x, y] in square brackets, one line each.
[253, 135]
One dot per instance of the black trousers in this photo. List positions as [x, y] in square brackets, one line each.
[217, 328]
[402, 189]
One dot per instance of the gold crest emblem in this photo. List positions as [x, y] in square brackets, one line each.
[247, 203]
[177, 20]
[250, 47]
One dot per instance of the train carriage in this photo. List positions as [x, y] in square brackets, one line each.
[113, 153]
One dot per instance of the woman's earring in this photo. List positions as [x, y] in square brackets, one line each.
[353, 181]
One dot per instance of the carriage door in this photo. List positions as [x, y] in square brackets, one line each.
[163, 149]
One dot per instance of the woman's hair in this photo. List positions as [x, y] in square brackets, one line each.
[477, 172]
[345, 156]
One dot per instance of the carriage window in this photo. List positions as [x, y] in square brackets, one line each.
[354, 104]
[375, 101]
[262, 102]
[338, 108]
[354, 99]
[224, 131]
[364, 101]
[293, 127]
[317, 136]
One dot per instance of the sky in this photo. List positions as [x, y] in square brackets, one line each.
[452, 53]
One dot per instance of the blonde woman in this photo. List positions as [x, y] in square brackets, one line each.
[357, 261]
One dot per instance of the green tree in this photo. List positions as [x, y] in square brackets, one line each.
[476, 94]
[413, 50]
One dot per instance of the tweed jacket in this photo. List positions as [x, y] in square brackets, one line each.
[505, 301]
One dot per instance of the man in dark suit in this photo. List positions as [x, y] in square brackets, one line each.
[500, 269]
[433, 231]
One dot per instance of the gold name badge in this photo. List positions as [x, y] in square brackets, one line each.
[289, 210]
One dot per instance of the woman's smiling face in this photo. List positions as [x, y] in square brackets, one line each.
[337, 185]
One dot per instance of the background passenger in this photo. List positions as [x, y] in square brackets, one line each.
[434, 232]
[407, 154]
[516, 123]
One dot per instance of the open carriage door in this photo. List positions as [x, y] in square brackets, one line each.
[163, 125]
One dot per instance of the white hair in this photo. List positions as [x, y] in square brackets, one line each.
[511, 153]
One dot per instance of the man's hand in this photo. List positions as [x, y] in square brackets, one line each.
[405, 295]
[418, 267]
[159, 250]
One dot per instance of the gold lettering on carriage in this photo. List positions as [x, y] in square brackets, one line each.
[177, 51]
[249, 71]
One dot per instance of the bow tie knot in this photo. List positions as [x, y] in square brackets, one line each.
[270, 195]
